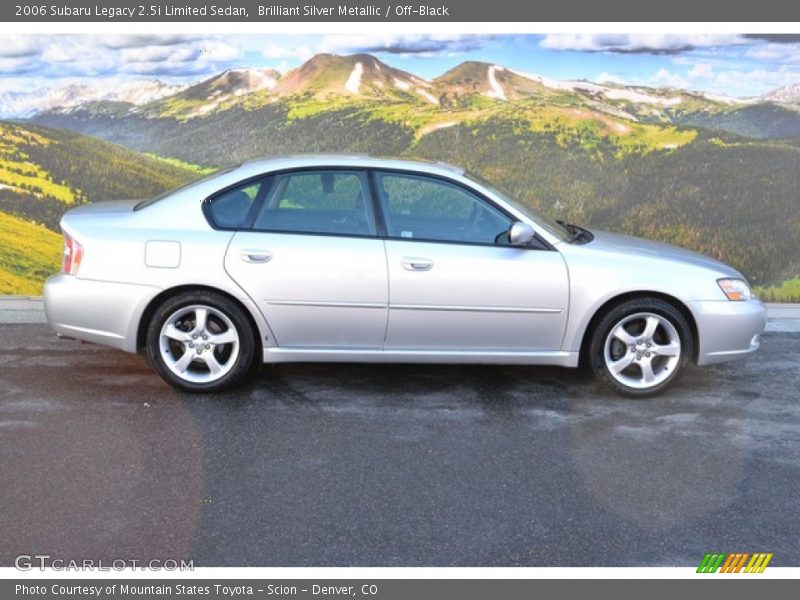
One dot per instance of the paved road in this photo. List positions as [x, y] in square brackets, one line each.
[393, 465]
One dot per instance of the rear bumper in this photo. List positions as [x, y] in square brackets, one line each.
[728, 330]
[96, 311]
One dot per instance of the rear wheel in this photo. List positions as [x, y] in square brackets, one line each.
[641, 347]
[200, 342]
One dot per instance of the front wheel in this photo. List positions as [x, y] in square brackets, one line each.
[641, 347]
[200, 342]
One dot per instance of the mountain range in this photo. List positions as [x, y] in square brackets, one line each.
[364, 75]
[20, 105]
[715, 174]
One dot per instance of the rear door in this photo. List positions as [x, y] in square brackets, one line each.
[313, 263]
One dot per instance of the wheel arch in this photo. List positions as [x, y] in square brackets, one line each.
[611, 303]
[156, 301]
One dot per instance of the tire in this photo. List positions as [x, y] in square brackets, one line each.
[641, 347]
[201, 341]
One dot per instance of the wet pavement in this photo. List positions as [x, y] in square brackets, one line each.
[394, 464]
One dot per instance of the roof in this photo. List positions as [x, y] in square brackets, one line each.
[275, 163]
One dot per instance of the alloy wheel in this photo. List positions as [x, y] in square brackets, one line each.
[642, 350]
[199, 343]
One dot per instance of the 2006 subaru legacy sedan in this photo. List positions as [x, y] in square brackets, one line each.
[345, 258]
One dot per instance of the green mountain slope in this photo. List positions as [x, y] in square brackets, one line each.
[610, 156]
[43, 172]
[707, 192]
[29, 253]
[760, 121]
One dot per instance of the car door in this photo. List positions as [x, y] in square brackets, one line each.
[455, 281]
[312, 262]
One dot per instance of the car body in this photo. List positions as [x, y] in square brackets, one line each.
[355, 258]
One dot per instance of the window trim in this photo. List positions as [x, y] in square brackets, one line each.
[369, 202]
[538, 243]
[375, 172]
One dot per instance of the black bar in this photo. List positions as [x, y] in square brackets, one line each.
[743, 586]
[72, 11]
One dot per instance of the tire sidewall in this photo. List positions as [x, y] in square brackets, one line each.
[619, 312]
[244, 329]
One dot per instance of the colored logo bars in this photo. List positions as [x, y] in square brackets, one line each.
[735, 562]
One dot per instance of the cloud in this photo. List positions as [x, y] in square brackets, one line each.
[275, 51]
[766, 79]
[665, 78]
[637, 43]
[17, 66]
[119, 42]
[608, 78]
[419, 44]
[89, 56]
[702, 71]
[782, 53]
[159, 54]
[18, 46]
[774, 38]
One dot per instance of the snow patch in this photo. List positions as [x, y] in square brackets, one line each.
[724, 99]
[639, 97]
[434, 126]
[594, 88]
[496, 90]
[403, 85]
[428, 96]
[354, 81]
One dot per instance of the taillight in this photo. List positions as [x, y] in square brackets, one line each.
[73, 253]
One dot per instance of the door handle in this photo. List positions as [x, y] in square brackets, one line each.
[416, 264]
[255, 256]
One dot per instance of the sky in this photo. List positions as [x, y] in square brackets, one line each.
[735, 65]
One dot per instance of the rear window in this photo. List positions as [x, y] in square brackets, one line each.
[151, 201]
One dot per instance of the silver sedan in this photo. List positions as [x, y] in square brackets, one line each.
[345, 258]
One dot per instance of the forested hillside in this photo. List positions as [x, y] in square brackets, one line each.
[44, 172]
[719, 176]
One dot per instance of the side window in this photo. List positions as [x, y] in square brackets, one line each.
[230, 209]
[334, 202]
[425, 208]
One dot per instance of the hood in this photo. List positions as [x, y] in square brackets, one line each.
[605, 241]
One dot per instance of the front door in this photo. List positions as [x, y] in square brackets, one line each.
[455, 283]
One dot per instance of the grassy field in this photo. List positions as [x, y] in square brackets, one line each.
[18, 172]
[31, 253]
[788, 291]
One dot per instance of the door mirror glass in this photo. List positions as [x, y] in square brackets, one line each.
[520, 234]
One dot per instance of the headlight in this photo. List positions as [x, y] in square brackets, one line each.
[735, 289]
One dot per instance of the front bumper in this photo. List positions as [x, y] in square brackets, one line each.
[728, 330]
[96, 311]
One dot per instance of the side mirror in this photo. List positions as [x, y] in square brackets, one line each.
[520, 234]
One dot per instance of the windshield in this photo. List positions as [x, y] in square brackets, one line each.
[547, 223]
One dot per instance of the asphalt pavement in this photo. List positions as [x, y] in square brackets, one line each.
[394, 465]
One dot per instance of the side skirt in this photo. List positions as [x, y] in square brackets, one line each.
[558, 358]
